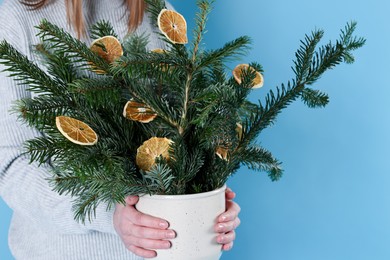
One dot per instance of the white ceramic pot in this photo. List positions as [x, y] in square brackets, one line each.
[193, 218]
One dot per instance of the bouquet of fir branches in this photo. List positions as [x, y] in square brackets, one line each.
[169, 121]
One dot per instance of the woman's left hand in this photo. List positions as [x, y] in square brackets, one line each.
[228, 222]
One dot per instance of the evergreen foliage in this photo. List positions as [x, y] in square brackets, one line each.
[197, 103]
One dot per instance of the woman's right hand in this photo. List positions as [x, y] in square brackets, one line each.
[141, 233]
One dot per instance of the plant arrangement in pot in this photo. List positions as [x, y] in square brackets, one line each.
[159, 122]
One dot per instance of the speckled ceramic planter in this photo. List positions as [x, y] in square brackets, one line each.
[193, 217]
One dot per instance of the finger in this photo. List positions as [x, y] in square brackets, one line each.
[141, 219]
[227, 226]
[232, 211]
[131, 200]
[150, 233]
[145, 253]
[229, 194]
[227, 247]
[148, 243]
[226, 238]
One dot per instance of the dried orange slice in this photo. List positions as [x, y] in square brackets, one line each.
[257, 82]
[150, 150]
[107, 47]
[222, 152]
[138, 112]
[159, 50]
[239, 131]
[173, 26]
[76, 131]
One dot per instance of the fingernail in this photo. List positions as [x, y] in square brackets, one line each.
[170, 234]
[168, 244]
[163, 224]
[223, 218]
[227, 247]
[221, 239]
[221, 227]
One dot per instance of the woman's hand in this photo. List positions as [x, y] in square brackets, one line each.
[139, 232]
[142, 233]
[228, 222]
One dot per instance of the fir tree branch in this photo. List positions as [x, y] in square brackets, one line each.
[198, 108]
[58, 64]
[186, 160]
[26, 72]
[97, 92]
[325, 58]
[265, 115]
[44, 149]
[200, 21]
[314, 98]
[257, 158]
[135, 44]
[159, 179]
[154, 8]
[304, 54]
[137, 73]
[64, 42]
[92, 185]
[230, 50]
[101, 29]
[351, 42]
[41, 111]
[183, 121]
[85, 206]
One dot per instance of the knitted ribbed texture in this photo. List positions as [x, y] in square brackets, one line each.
[42, 225]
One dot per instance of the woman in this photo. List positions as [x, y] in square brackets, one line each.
[42, 226]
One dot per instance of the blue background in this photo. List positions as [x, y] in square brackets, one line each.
[333, 200]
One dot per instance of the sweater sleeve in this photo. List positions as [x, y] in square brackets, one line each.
[24, 186]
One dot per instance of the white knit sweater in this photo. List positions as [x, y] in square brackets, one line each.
[42, 226]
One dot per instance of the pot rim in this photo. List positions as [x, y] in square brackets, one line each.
[185, 196]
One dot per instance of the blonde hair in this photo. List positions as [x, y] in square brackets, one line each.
[74, 12]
